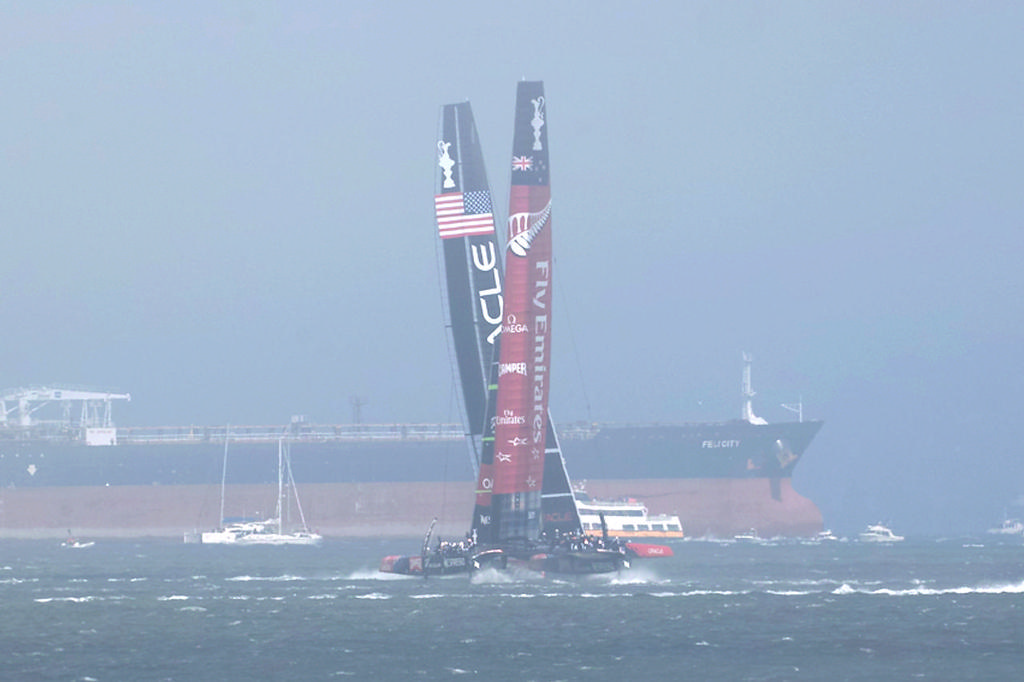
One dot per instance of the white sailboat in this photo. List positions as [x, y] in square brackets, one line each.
[271, 531]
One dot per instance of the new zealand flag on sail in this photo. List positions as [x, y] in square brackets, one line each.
[530, 141]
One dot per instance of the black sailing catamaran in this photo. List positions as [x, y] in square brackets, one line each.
[524, 510]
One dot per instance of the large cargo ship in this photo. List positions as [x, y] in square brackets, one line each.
[79, 471]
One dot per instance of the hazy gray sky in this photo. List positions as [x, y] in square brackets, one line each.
[225, 209]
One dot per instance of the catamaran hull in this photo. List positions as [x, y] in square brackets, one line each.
[579, 563]
[434, 565]
[444, 564]
[640, 550]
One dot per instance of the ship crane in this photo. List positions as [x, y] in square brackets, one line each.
[96, 405]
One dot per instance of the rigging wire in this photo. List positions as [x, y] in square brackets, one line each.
[575, 348]
[452, 399]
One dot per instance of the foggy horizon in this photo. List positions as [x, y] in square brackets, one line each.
[226, 211]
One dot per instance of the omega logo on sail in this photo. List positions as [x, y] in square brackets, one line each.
[513, 327]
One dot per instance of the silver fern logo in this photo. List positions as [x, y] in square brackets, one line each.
[523, 228]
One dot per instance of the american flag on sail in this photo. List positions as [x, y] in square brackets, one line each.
[461, 214]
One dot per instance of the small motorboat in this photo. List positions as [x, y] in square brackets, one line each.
[74, 543]
[879, 533]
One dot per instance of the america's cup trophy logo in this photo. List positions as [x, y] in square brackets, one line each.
[538, 121]
[446, 163]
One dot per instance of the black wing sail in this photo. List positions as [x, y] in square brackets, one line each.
[472, 264]
[465, 220]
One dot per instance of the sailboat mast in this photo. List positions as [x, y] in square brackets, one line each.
[280, 485]
[292, 487]
[224, 471]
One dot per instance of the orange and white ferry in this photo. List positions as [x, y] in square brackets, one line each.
[625, 518]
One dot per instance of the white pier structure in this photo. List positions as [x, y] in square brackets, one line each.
[19, 407]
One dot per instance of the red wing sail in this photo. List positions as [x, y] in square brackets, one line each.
[524, 368]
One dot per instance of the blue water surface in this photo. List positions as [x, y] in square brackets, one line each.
[936, 609]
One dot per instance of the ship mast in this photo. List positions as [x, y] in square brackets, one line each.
[798, 408]
[748, 393]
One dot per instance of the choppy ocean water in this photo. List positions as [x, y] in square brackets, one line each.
[948, 609]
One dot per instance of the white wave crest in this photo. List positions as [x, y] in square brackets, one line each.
[75, 600]
[492, 576]
[373, 574]
[788, 593]
[272, 579]
[636, 576]
[996, 588]
[700, 593]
